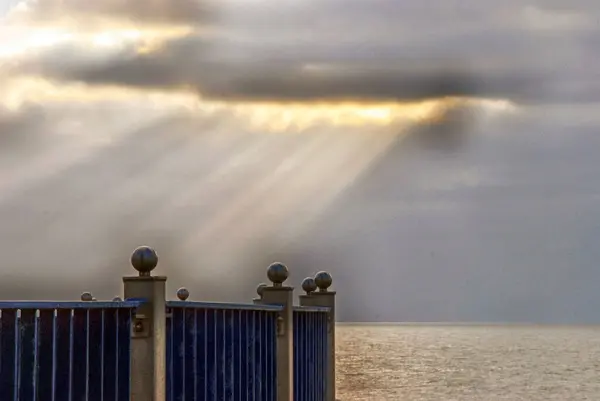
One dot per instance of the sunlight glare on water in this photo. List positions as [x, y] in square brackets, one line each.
[467, 363]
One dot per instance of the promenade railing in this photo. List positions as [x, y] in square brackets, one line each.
[60, 351]
[148, 348]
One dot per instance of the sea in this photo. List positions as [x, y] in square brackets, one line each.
[438, 362]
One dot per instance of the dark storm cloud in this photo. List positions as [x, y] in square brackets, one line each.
[285, 80]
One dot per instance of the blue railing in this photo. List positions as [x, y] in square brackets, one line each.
[65, 351]
[310, 353]
[117, 350]
[221, 351]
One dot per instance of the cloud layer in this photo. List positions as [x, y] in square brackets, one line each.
[151, 12]
[370, 51]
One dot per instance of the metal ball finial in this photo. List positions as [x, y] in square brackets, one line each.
[277, 273]
[323, 280]
[261, 289]
[309, 285]
[144, 259]
[87, 297]
[183, 294]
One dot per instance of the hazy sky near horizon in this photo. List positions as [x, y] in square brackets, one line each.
[438, 157]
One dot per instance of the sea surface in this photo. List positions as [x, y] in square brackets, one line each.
[467, 363]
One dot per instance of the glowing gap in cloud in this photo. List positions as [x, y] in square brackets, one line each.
[19, 41]
[268, 117]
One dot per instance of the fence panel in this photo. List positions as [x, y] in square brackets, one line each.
[310, 353]
[221, 352]
[65, 351]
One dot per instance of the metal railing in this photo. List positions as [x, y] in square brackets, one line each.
[310, 353]
[149, 349]
[64, 351]
[221, 351]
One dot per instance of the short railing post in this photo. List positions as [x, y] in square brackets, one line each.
[325, 298]
[148, 331]
[278, 294]
[259, 291]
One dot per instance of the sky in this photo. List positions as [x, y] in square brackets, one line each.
[437, 157]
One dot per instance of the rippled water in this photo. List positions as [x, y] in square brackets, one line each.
[467, 363]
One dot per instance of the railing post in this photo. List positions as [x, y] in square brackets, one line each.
[278, 294]
[323, 297]
[148, 331]
[259, 291]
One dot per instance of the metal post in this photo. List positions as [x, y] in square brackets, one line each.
[278, 294]
[323, 297]
[148, 332]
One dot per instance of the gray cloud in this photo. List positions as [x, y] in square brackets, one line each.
[191, 12]
[386, 50]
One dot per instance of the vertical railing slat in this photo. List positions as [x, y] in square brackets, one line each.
[244, 361]
[124, 317]
[251, 352]
[230, 360]
[323, 354]
[62, 361]
[79, 355]
[258, 354]
[297, 360]
[177, 354]
[211, 355]
[302, 356]
[109, 389]
[201, 336]
[220, 350]
[195, 354]
[169, 357]
[237, 341]
[264, 356]
[189, 355]
[273, 359]
[102, 353]
[45, 354]
[7, 343]
[313, 356]
[208, 332]
[27, 348]
[95, 354]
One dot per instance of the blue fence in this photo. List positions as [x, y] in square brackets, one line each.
[310, 353]
[83, 351]
[65, 351]
[221, 351]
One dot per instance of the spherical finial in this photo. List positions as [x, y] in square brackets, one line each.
[144, 259]
[261, 289]
[277, 274]
[183, 294]
[87, 297]
[117, 299]
[323, 280]
[309, 285]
